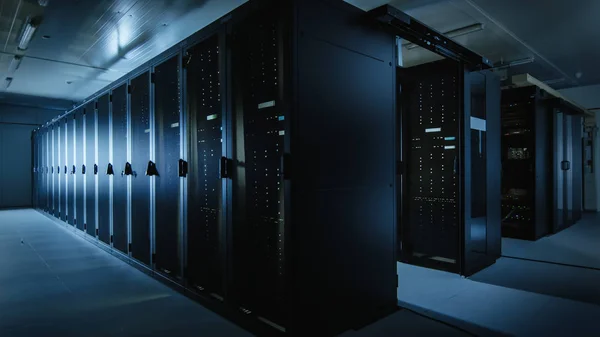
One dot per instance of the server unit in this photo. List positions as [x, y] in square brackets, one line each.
[450, 167]
[254, 167]
[541, 137]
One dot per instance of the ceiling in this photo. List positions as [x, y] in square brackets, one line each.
[81, 45]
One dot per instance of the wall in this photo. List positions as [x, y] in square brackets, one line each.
[589, 97]
[16, 124]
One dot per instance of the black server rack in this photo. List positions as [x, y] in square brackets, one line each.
[105, 169]
[80, 168]
[168, 235]
[58, 165]
[65, 171]
[541, 190]
[91, 168]
[254, 165]
[450, 145]
[142, 168]
[71, 150]
[527, 168]
[122, 168]
[44, 168]
[53, 184]
[206, 217]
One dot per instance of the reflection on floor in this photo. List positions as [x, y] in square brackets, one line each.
[576, 245]
[491, 310]
[56, 284]
[577, 284]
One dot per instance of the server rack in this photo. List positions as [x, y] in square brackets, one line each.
[90, 169]
[449, 155]
[540, 139]
[271, 188]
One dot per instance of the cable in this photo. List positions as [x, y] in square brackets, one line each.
[549, 262]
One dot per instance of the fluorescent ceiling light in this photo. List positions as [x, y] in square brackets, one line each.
[14, 64]
[455, 33]
[515, 63]
[27, 35]
[7, 82]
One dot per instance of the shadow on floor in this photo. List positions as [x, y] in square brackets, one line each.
[578, 284]
[464, 327]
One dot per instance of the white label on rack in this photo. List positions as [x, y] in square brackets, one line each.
[478, 124]
[433, 130]
[266, 104]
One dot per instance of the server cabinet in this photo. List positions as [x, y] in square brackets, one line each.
[541, 137]
[527, 156]
[122, 168]
[105, 170]
[91, 168]
[167, 113]
[34, 174]
[567, 169]
[80, 169]
[205, 209]
[52, 133]
[140, 163]
[44, 170]
[58, 164]
[258, 232]
[450, 201]
[65, 171]
[70, 141]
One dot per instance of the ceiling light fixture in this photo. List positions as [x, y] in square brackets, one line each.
[27, 35]
[514, 63]
[43, 3]
[554, 81]
[7, 82]
[455, 33]
[14, 64]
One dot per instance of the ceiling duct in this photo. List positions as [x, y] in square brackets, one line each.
[455, 33]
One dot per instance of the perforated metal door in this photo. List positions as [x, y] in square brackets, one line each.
[167, 106]
[140, 156]
[90, 175]
[205, 152]
[258, 193]
[79, 163]
[119, 129]
[65, 170]
[53, 175]
[103, 162]
[432, 167]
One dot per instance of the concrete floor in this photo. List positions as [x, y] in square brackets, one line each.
[576, 245]
[54, 283]
[516, 296]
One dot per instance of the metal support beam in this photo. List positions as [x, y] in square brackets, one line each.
[420, 34]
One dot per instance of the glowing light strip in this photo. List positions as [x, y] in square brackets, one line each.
[266, 104]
